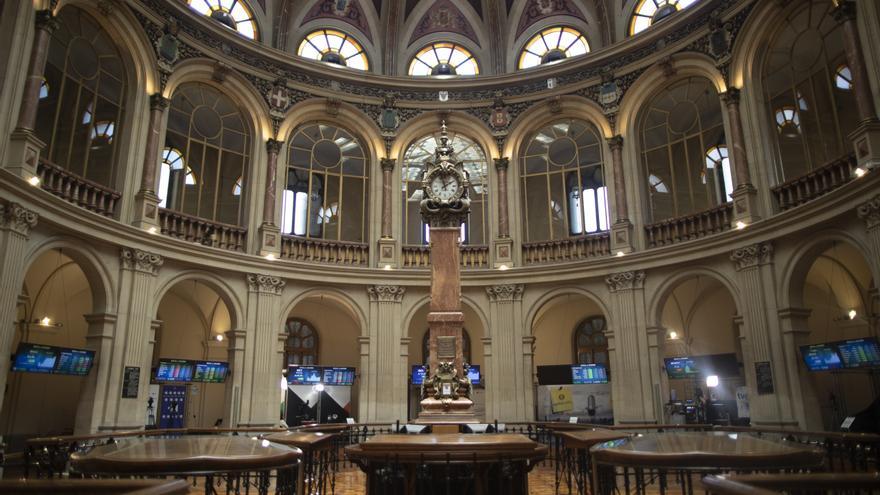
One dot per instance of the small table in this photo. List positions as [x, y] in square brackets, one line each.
[447, 463]
[237, 460]
[678, 456]
[319, 459]
[575, 462]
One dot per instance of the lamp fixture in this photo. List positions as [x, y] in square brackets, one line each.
[712, 381]
[860, 172]
[219, 337]
[741, 225]
[34, 181]
[620, 254]
[852, 314]
[270, 257]
[673, 335]
[504, 268]
[319, 387]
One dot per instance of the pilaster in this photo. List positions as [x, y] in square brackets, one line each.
[236, 343]
[795, 333]
[270, 233]
[147, 199]
[365, 397]
[622, 228]
[745, 196]
[508, 378]
[388, 255]
[387, 373]
[95, 392]
[262, 365]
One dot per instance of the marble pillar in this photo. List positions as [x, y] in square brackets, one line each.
[260, 403]
[503, 244]
[147, 199]
[236, 340]
[507, 377]
[745, 196]
[95, 392]
[621, 229]
[387, 380]
[270, 233]
[795, 333]
[387, 246]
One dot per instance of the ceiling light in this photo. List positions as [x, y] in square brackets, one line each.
[34, 181]
[740, 225]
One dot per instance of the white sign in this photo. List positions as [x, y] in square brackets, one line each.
[349, 421]
[742, 402]
[573, 420]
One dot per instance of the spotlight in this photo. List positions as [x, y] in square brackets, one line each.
[620, 254]
[46, 321]
[504, 268]
[712, 381]
[34, 181]
[852, 314]
[152, 230]
[219, 337]
[270, 257]
[740, 225]
[860, 172]
[673, 335]
[264, 443]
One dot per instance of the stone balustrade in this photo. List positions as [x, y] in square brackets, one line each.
[202, 231]
[472, 256]
[690, 227]
[815, 183]
[324, 251]
[572, 249]
[77, 190]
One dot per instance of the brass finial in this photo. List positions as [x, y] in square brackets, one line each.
[445, 149]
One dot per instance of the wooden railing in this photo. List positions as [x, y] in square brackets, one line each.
[324, 251]
[572, 249]
[690, 227]
[77, 190]
[815, 183]
[202, 231]
[476, 256]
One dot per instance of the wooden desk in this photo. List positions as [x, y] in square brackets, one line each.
[234, 459]
[574, 461]
[317, 470]
[447, 463]
[675, 457]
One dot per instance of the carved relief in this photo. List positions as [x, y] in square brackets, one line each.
[506, 292]
[348, 11]
[386, 293]
[625, 281]
[266, 284]
[141, 261]
[17, 218]
[752, 256]
[870, 213]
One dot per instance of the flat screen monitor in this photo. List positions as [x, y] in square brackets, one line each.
[681, 367]
[303, 375]
[473, 374]
[859, 353]
[211, 371]
[175, 370]
[582, 374]
[339, 376]
[418, 374]
[74, 361]
[821, 357]
[36, 358]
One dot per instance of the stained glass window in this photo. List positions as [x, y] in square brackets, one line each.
[444, 59]
[552, 45]
[335, 47]
[234, 14]
[647, 12]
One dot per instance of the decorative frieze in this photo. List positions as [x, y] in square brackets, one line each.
[266, 284]
[870, 212]
[505, 292]
[752, 256]
[625, 281]
[17, 218]
[386, 293]
[141, 261]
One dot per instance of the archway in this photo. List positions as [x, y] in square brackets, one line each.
[570, 329]
[188, 381]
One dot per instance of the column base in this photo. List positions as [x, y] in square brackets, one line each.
[621, 237]
[24, 153]
[745, 206]
[866, 141]
[270, 240]
[503, 252]
[147, 208]
[387, 253]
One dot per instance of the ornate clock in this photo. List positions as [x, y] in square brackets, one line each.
[445, 188]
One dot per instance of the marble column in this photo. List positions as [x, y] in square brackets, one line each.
[387, 382]
[16, 223]
[745, 206]
[262, 366]
[270, 233]
[387, 247]
[795, 333]
[503, 244]
[147, 200]
[633, 383]
[236, 344]
[24, 146]
[94, 394]
[621, 229]
[508, 378]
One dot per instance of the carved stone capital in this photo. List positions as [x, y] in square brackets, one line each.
[615, 142]
[731, 96]
[844, 11]
[870, 212]
[625, 281]
[141, 261]
[273, 146]
[752, 256]
[46, 21]
[388, 164]
[386, 293]
[505, 292]
[158, 102]
[502, 163]
[17, 218]
[266, 284]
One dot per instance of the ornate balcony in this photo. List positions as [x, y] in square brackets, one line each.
[324, 251]
[472, 256]
[572, 249]
[690, 227]
[202, 231]
[815, 183]
[77, 190]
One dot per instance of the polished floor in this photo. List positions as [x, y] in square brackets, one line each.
[350, 481]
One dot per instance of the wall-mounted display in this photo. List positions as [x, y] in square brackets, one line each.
[211, 371]
[582, 374]
[473, 374]
[681, 367]
[859, 353]
[35, 358]
[821, 357]
[175, 370]
[339, 376]
[418, 374]
[303, 375]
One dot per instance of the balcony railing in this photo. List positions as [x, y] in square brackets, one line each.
[77, 190]
[472, 256]
[690, 227]
[324, 251]
[202, 231]
[572, 249]
[815, 183]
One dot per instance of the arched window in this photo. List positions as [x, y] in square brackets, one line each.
[647, 12]
[718, 165]
[327, 185]
[679, 129]
[301, 346]
[465, 346]
[234, 14]
[334, 47]
[207, 145]
[563, 185]
[81, 98]
[807, 88]
[476, 229]
[590, 344]
[444, 59]
[552, 45]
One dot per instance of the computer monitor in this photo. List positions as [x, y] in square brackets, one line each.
[211, 371]
[821, 357]
[859, 353]
[418, 374]
[585, 374]
[303, 375]
[681, 367]
[339, 376]
[473, 373]
[175, 370]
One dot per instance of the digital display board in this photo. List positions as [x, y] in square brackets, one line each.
[175, 370]
[473, 374]
[339, 376]
[859, 353]
[211, 371]
[35, 358]
[681, 367]
[418, 374]
[303, 375]
[821, 357]
[582, 374]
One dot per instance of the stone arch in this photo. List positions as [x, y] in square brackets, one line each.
[535, 308]
[219, 285]
[589, 28]
[466, 300]
[355, 310]
[373, 51]
[457, 121]
[664, 290]
[349, 118]
[536, 116]
[407, 53]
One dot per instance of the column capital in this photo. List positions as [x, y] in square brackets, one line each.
[386, 293]
[870, 212]
[752, 256]
[141, 261]
[844, 10]
[265, 284]
[158, 102]
[505, 292]
[502, 163]
[17, 218]
[46, 20]
[625, 281]
[274, 146]
[388, 164]
[731, 96]
[615, 142]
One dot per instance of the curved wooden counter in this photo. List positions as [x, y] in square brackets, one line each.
[92, 487]
[449, 447]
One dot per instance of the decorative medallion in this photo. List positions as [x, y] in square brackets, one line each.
[388, 118]
[500, 117]
[348, 11]
[444, 16]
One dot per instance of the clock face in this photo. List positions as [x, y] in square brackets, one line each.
[444, 188]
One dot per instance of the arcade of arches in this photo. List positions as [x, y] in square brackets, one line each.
[173, 191]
